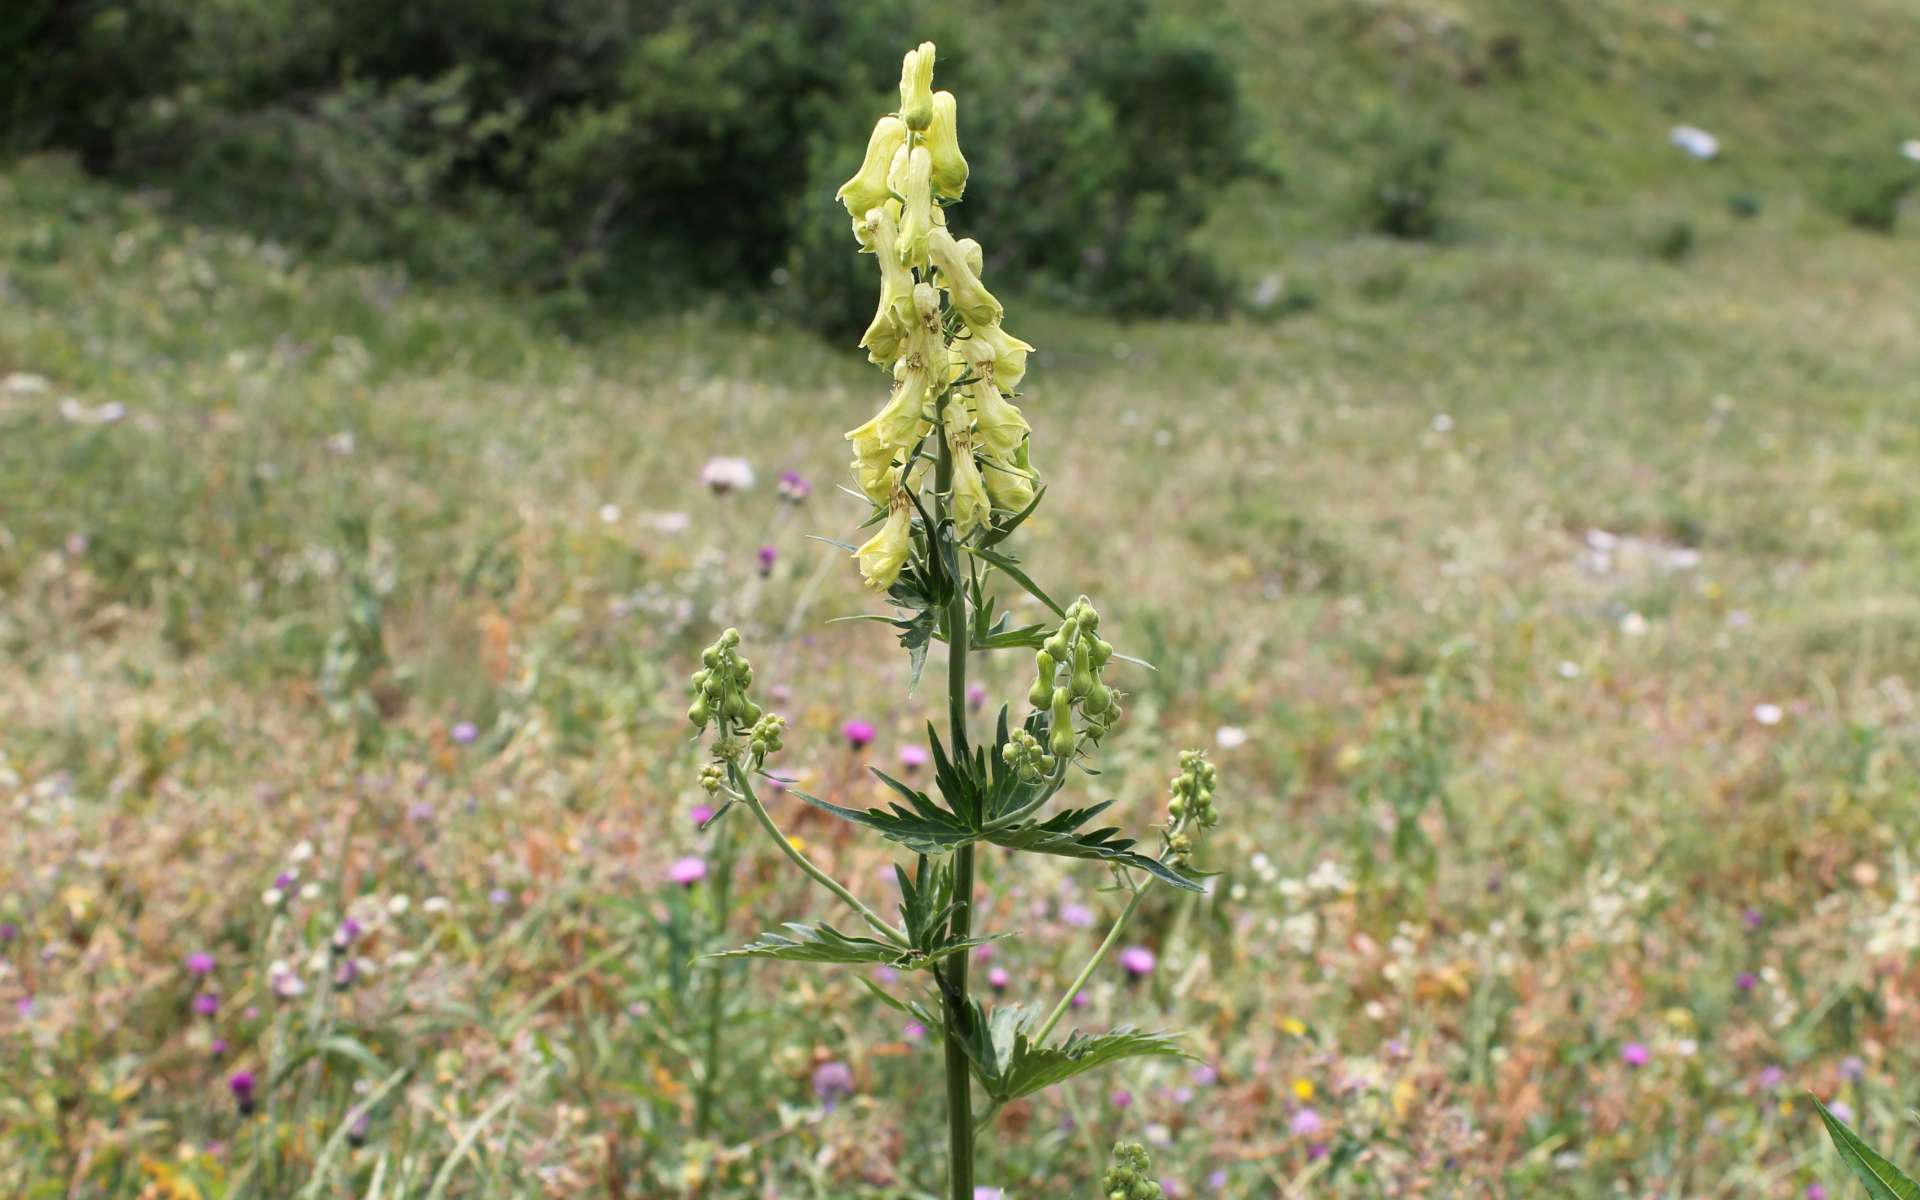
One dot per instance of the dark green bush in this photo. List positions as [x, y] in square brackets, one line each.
[1403, 192]
[1866, 185]
[643, 148]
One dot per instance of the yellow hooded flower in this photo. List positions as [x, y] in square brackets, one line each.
[943, 140]
[1009, 356]
[893, 321]
[1009, 480]
[975, 304]
[916, 87]
[885, 553]
[868, 187]
[971, 508]
[916, 221]
[973, 256]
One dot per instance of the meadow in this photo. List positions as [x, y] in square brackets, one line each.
[1543, 592]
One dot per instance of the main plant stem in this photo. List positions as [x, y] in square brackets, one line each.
[958, 1012]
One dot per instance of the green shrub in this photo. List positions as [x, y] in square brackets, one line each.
[1865, 186]
[1403, 191]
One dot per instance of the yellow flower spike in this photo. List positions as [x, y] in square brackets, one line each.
[868, 187]
[916, 222]
[943, 141]
[886, 551]
[975, 304]
[916, 87]
[971, 508]
[892, 322]
[1009, 356]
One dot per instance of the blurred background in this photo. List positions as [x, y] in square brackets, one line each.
[1498, 420]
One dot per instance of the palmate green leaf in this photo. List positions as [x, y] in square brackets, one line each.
[825, 944]
[1882, 1179]
[1009, 1065]
[921, 826]
[1061, 835]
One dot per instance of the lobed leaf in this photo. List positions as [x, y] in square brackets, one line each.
[825, 944]
[1061, 835]
[922, 827]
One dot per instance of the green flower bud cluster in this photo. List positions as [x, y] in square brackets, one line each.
[1028, 758]
[1068, 669]
[1192, 804]
[720, 687]
[1130, 1176]
[764, 738]
[713, 777]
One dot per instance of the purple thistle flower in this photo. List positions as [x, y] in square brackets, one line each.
[688, 870]
[217, 1047]
[1753, 918]
[1138, 962]
[206, 1004]
[915, 1031]
[1816, 1191]
[976, 697]
[1121, 1098]
[200, 963]
[1079, 916]
[859, 734]
[1770, 1078]
[285, 880]
[465, 733]
[1635, 1054]
[240, 1083]
[8, 932]
[913, 757]
[1746, 981]
[1079, 1000]
[766, 556]
[701, 814]
[832, 1082]
[1217, 1181]
[1853, 1067]
[1306, 1123]
[997, 979]
[793, 488]
[500, 895]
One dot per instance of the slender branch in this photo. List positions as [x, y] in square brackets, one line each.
[745, 789]
[1086, 972]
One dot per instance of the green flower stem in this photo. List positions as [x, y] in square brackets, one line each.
[1086, 972]
[960, 926]
[717, 981]
[880, 926]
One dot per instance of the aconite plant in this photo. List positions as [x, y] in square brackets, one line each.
[948, 466]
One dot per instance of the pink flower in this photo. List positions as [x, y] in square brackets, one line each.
[767, 555]
[465, 732]
[1635, 1055]
[701, 814]
[200, 963]
[1077, 915]
[859, 734]
[1306, 1123]
[1138, 962]
[688, 871]
[913, 757]
[997, 979]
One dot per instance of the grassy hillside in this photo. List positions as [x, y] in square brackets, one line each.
[1562, 590]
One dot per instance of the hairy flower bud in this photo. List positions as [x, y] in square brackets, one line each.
[868, 187]
[916, 87]
[943, 140]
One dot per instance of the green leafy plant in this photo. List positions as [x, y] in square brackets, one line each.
[948, 468]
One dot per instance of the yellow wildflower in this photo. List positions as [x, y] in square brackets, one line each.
[885, 553]
[970, 506]
[868, 187]
[893, 319]
[1009, 356]
[975, 304]
[1009, 480]
[943, 141]
[916, 221]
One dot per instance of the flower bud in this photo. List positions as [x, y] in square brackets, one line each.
[970, 252]
[1041, 694]
[916, 87]
[943, 141]
[1099, 653]
[868, 187]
